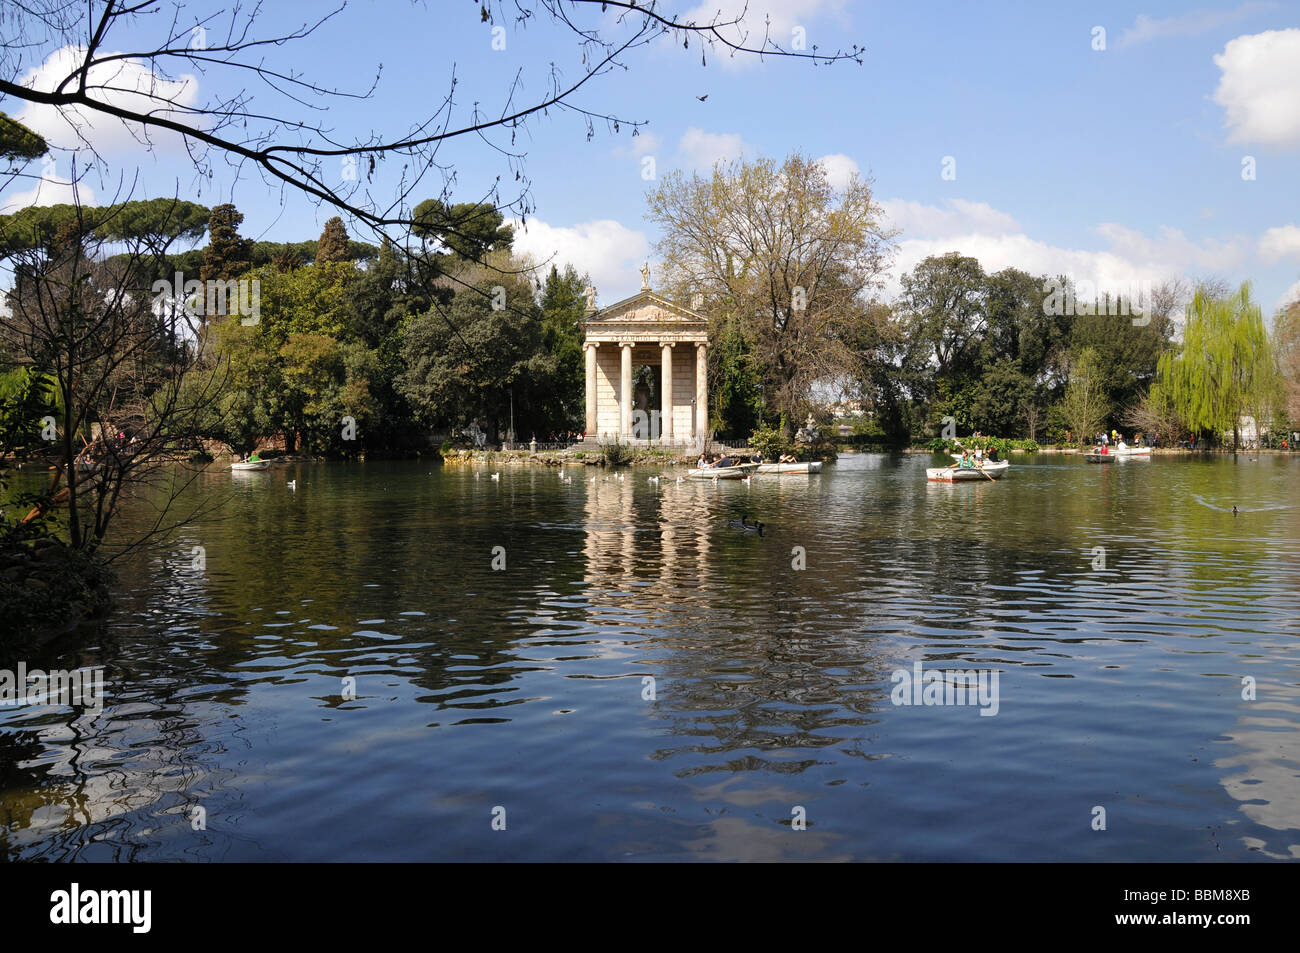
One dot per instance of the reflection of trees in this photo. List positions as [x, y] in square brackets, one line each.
[111, 786]
[343, 563]
[1261, 775]
[118, 784]
[765, 674]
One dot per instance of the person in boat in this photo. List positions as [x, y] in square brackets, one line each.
[991, 454]
[1121, 445]
[1104, 449]
[787, 458]
[702, 463]
[978, 456]
[725, 461]
[967, 461]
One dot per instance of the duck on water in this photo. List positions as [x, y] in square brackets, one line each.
[741, 524]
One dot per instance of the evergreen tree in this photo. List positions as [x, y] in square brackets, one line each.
[333, 244]
[564, 307]
[228, 255]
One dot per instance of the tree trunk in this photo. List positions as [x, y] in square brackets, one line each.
[69, 462]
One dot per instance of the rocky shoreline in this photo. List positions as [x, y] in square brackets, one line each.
[572, 456]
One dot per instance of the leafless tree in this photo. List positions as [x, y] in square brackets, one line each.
[81, 312]
[251, 128]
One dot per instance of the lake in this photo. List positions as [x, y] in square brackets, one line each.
[338, 672]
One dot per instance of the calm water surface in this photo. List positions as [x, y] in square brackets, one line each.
[525, 688]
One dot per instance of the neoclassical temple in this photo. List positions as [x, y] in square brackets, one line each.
[647, 370]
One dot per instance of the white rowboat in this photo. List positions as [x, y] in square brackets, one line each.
[723, 473]
[958, 475]
[251, 465]
[813, 466]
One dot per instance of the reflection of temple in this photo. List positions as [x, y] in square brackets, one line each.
[621, 549]
[647, 370]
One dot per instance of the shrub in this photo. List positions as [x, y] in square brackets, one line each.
[1004, 445]
[771, 443]
[616, 454]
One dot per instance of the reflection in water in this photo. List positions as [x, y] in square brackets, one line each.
[349, 677]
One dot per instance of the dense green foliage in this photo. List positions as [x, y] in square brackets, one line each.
[771, 442]
[1004, 445]
[403, 346]
[17, 142]
[988, 352]
[228, 255]
[155, 221]
[1225, 368]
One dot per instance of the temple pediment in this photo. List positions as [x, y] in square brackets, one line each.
[645, 308]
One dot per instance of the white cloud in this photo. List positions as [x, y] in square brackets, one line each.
[132, 85]
[1291, 294]
[609, 251]
[994, 238]
[775, 19]
[840, 169]
[1147, 28]
[48, 190]
[1279, 243]
[1260, 88]
[702, 150]
[645, 143]
[1171, 247]
[957, 217]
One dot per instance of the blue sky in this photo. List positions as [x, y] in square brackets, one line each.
[1115, 164]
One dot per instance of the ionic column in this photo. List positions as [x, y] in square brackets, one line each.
[591, 389]
[701, 390]
[666, 397]
[625, 394]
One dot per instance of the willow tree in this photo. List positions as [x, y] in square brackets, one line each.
[1225, 367]
[783, 252]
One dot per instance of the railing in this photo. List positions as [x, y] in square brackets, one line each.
[730, 444]
[538, 445]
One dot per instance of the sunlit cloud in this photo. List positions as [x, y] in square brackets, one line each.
[610, 252]
[1260, 88]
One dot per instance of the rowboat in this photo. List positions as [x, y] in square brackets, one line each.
[812, 466]
[957, 474]
[1116, 454]
[723, 473]
[251, 465]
